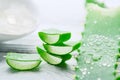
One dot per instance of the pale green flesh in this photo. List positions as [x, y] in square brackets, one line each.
[58, 50]
[21, 61]
[61, 50]
[23, 65]
[100, 44]
[23, 57]
[54, 37]
[48, 57]
[50, 39]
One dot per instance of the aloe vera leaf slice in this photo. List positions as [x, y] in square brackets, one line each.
[61, 50]
[52, 36]
[51, 59]
[21, 61]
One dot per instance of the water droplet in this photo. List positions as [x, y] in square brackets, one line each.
[84, 71]
[108, 65]
[92, 63]
[87, 61]
[91, 67]
[104, 64]
[88, 72]
[98, 78]
[81, 77]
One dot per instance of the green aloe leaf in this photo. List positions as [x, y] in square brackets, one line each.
[98, 2]
[97, 59]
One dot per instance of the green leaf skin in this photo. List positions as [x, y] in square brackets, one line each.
[97, 58]
[101, 4]
[53, 36]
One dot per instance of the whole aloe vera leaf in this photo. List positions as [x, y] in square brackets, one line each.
[100, 44]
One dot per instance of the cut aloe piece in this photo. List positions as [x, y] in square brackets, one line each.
[21, 61]
[63, 49]
[51, 59]
[53, 36]
[100, 44]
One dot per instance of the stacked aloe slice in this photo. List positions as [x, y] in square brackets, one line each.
[99, 56]
[56, 49]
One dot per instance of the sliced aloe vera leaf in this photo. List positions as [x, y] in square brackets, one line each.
[21, 61]
[100, 44]
[51, 59]
[61, 50]
[52, 36]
